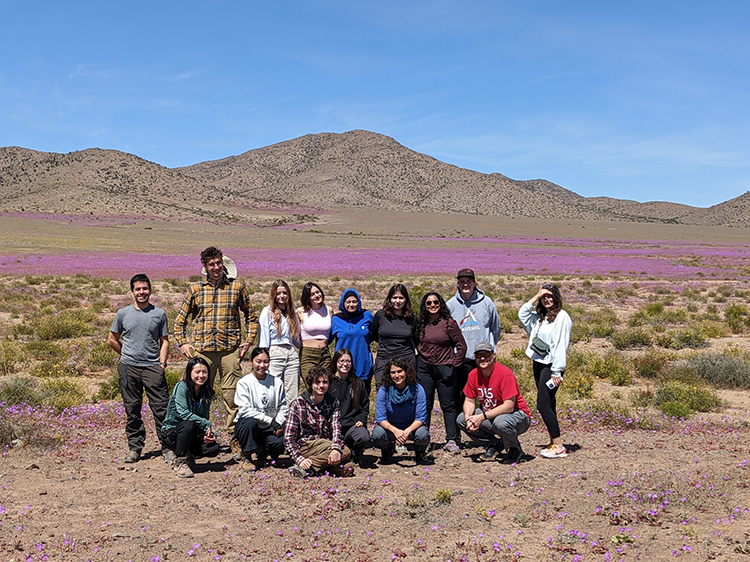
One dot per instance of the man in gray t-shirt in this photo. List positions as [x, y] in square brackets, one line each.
[143, 350]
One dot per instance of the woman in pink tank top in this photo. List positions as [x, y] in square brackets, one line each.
[315, 329]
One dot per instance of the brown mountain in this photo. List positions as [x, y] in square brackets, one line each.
[354, 170]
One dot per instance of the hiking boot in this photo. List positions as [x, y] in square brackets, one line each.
[490, 454]
[134, 455]
[181, 468]
[422, 458]
[514, 456]
[298, 471]
[168, 455]
[345, 470]
[236, 450]
[262, 453]
[554, 452]
[246, 463]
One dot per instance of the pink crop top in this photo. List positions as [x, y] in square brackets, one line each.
[316, 324]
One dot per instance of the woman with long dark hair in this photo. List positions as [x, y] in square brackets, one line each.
[261, 413]
[393, 330]
[353, 402]
[279, 332]
[315, 329]
[548, 326]
[186, 429]
[441, 349]
[400, 413]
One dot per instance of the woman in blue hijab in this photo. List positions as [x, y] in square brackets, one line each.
[351, 329]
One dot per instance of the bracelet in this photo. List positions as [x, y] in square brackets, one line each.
[485, 415]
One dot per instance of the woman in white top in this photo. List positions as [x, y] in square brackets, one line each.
[261, 412]
[279, 332]
[548, 326]
[315, 329]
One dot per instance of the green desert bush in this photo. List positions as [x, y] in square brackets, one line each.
[737, 317]
[652, 364]
[694, 336]
[19, 390]
[61, 393]
[578, 384]
[724, 370]
[612, 366]
[11, 355]
[675, 409]
[696, 398]
[599, 323]
[509, 318]
[43, 350]
[67, 324]
[54, 370]
[101, 355]
[630, 337]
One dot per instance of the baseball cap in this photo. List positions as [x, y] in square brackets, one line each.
[484, 346]
[466, 272]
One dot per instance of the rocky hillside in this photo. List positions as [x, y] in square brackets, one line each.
[329, 171]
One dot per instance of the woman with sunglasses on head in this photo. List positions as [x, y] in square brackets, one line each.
[354, 404]
[279, 332]
[393, 330]
[441, 349]
[548, 326]
[315, 329]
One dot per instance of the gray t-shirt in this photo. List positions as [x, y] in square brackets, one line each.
[141, 331]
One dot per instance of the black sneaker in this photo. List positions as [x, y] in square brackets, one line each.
[489, 455]
[514, 456]
[422, 458]
[261, 452]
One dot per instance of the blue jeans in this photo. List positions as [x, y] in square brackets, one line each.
[386, 440]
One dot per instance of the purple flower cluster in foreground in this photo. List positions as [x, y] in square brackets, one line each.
[634, 259]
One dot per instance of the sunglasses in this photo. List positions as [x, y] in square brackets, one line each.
[432, 303]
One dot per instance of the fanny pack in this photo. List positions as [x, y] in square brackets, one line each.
[539, 346]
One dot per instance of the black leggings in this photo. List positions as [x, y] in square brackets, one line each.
[186, 438]
[546, 401]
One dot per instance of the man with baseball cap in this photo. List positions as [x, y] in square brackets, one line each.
[494, 412]
[477, 317]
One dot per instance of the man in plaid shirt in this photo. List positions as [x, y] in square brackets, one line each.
[312, 433]
[214, 305]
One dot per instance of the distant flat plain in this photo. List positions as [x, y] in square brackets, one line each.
[355, 229]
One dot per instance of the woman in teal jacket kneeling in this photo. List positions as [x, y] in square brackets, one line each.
[186, 428]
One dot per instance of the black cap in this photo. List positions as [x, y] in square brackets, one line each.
[466, 272]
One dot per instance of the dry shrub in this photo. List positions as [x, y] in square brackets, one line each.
[724, 370]
[630, 337]
[694, 397]
[67, 324]
[652, 364]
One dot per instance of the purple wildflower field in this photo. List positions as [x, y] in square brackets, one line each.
[519, 255]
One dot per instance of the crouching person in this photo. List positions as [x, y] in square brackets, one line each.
[312, 434]
[400, 413]
[502, 414]
[186, 429]
[259, 425]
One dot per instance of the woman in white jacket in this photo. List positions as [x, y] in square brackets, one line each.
[262, 411]
[548, 326]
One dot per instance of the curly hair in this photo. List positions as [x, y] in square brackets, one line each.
[314, 374]
[550, 313]
[210, 253]
[291, 317]
[388, 306]
[411, 374]
[424, 316]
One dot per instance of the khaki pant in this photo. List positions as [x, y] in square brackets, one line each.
[310, 357]
[317, 451]
[225, 364]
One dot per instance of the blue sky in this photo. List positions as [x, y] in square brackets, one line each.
[639, 100]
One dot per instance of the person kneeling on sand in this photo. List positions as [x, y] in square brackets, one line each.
[312, 435]
[502, 414]
[186, 428]
[261, 403]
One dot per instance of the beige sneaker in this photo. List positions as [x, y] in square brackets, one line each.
[246, 463]
[181, 468]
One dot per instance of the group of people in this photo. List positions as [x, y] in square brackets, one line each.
[300, 399]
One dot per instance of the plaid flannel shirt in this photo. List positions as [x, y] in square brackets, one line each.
[216, 316]
[307, 421]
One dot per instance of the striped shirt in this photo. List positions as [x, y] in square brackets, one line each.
[216, 316]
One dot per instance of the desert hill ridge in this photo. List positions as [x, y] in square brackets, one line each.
[326, 171]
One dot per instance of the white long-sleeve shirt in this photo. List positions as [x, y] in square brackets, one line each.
[556, 334]
[269, 335]
[263, 400]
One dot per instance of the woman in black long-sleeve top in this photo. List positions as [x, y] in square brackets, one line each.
[393, 330]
